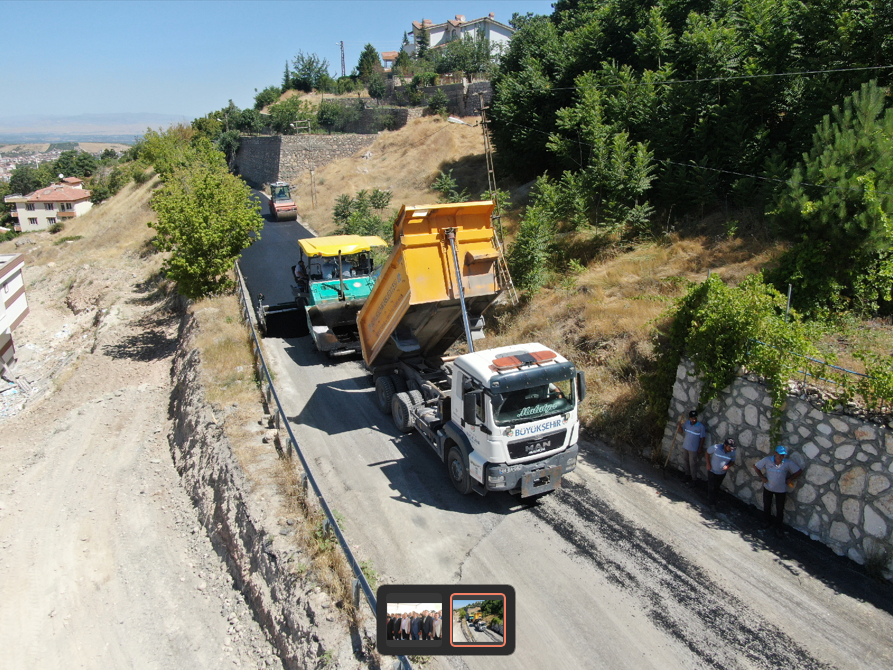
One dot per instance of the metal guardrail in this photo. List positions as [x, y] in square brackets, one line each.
[806, 373]
[293, 447]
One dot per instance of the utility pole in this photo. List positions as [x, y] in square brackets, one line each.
[502, 265]
[343, 69]
[302, 125]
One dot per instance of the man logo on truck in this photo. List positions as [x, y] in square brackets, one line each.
[537, 447]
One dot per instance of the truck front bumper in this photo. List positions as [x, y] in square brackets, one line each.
[534, 477]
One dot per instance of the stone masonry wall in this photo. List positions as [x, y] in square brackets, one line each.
[844, 498]
[257, 159]
[463, 99]
[263, 160]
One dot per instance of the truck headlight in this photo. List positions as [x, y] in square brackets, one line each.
[496, 480]
[571, 460]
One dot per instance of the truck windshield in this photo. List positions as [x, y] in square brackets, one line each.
[534, 403]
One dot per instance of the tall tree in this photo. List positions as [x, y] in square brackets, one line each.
[839, 209]
[368, 64]
[424, 44]
[286, 78]
[308, 69]
[206, 216]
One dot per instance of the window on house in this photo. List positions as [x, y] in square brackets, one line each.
[32, 221]
[67, 206]
[49, 206]
[29, 206]
[51, 221]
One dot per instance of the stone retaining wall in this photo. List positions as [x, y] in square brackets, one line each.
[844, 497]
[263, 160]
[463, 99]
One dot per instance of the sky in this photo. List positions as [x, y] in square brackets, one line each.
[191, 58]
[458, 604]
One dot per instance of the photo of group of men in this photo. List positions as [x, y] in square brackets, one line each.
[415, 621]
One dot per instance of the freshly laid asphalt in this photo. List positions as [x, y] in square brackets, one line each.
[618, 569]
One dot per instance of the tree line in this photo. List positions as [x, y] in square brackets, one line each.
[638, 116]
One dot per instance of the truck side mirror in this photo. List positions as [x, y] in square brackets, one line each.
[469, 408]
[581, 385]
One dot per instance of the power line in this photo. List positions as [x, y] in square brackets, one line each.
[710, 169]
[708, 80]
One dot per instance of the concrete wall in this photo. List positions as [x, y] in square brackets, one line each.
[844, 497]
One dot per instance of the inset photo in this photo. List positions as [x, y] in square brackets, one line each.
[478, 619]
[410, 622]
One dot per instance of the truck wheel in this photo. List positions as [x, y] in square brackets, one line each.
[400, 405]
[458, 472]
[399, 383]
[384, 391]
[415, 397]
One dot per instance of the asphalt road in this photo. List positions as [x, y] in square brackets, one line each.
[266, 265]
[620, 569]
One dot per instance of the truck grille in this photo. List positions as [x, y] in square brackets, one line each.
[536, 445]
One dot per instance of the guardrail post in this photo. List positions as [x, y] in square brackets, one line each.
[355, 592]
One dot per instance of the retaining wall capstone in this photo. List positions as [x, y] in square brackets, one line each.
[844, 498]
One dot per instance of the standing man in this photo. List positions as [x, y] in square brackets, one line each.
[390, 628]
[776, 472]
[427, 626]
[405, 625]
[720, 458]
[415, 626]
[438, 624]
[693, 445]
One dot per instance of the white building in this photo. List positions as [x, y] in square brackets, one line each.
[440, 34]
[48, 206]
[13, 306]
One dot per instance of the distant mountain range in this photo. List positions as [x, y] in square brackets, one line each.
[82, 128]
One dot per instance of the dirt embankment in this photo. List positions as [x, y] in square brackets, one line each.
[241, 506]
[109, 557]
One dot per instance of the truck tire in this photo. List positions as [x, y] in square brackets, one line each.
[384, 392]
[415, 397]
[458, 472]
[400, 405]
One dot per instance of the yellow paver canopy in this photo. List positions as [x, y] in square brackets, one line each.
[346, 244]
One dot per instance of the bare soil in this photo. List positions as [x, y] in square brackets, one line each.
[104, 562]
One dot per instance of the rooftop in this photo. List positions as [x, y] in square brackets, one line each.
[59, 193]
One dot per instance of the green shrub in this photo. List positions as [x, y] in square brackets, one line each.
[438, 103]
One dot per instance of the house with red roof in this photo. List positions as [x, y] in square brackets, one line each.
[440, 34]
[47, 206]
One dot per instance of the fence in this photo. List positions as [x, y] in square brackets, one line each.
[822, 382]
[360, 581]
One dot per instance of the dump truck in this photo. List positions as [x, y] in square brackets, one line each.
[333, 280]
[282, 207]
[503, 419]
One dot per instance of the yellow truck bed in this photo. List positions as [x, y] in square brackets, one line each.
[414, 306]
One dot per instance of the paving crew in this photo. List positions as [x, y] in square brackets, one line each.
[693, 444]
[720, 459]
[777, 473]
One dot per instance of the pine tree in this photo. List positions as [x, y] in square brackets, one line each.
[286, 78]
[839, 207]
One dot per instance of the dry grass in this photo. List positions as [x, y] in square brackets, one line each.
[405, 162]
[113, 234]
[604, 319]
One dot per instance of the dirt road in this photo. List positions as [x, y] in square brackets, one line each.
[103, 562]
